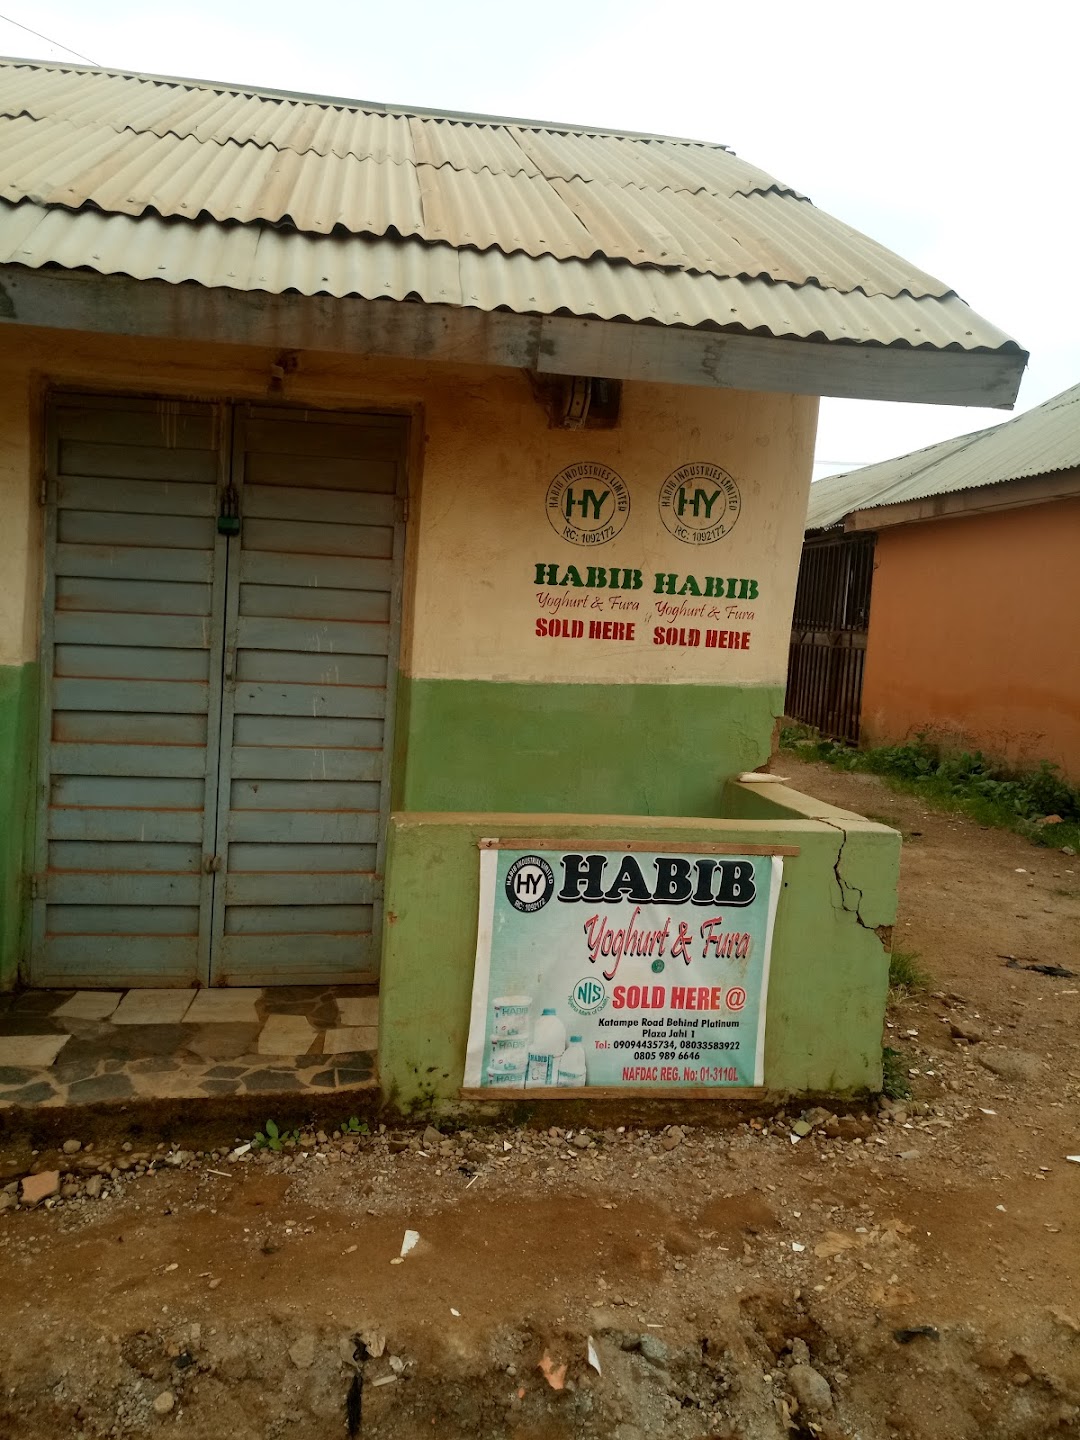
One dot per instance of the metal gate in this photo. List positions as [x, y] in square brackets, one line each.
[219, 647]
[828, 634]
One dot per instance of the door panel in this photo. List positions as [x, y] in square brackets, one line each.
[132, 647]
[215, 746]
[313, 634]
[312, 608]
[137, 599]
[130, 959]
[323, 571]
[134, 496]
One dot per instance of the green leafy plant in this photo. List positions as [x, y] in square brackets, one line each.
[274, 1138]
[905, 971]
[894, 1079]
[353, 1126]
[967, 782]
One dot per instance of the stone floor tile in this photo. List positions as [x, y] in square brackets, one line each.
[222, 1041]
[289, 999]
[101, 1087]
[220, 1087]
[152, 1065]
[324, 1079]
[179, 1084]
[39, 1002]
[355, 1076]
[260, 1080]
[223, 1006]
[89, 1005]
[153, 1007]
[64, 1073]
[286, 1035]
[350, 1038]
[17, 1022]
[362, 1010]
[36, 1050]
[29, 1094]
[121, 1044]
[15, 1074]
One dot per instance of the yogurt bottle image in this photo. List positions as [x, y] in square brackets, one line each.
[510, 1017]
[572, 1063]
[545, 1050]
[509, 1057]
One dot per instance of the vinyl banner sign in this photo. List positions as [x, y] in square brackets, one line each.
[607, 970]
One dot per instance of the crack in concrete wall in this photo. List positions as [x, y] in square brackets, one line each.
[846, 888]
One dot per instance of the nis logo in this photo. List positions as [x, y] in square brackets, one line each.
[588, 996]
[664, 880]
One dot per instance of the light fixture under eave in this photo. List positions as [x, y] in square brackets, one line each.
[578, 402]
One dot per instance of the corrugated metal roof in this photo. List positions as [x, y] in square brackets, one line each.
[225, 185]
[1039, 442]
[511, 208]
[249, 257]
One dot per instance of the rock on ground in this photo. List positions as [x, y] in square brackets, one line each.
[302, 1354]
[810, 1389]
[36, 1188]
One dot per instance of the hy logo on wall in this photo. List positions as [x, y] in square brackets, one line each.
[699, 503]
[587, 503]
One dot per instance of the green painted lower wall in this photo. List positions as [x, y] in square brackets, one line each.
[471, 745]
[830, 964]
[18, 713]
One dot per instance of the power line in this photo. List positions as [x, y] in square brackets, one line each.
[55, 43]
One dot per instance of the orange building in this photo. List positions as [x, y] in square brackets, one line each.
[940, 592]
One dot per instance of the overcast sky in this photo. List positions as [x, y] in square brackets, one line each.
[946, 130]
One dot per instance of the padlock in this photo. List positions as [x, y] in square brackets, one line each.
[228, 520]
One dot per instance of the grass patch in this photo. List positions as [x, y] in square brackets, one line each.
[905, 971]
[969, 784]
[894, 1076]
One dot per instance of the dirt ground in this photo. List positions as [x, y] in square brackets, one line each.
[908, 1271]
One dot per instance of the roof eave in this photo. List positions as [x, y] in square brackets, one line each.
[80, 300]
[991, 498]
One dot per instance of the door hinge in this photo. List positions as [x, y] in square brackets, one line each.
[213, 864]
[33, 887]
[403, 509]
[43, 488]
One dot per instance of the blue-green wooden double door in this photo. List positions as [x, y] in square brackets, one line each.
[222, 592]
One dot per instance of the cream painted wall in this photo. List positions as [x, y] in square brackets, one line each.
[20, 523]
[490, 460]
[479, 524]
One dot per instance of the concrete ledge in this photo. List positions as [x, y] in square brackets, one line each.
[829, 975]
[747, 800]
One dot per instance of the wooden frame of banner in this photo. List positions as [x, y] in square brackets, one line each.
[541, 1093]
[531, 842]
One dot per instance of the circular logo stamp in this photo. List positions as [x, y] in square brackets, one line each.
[699, 503]
[588, 996]
[530, 883]
[587, 503]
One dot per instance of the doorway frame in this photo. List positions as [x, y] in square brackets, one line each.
[409, 414]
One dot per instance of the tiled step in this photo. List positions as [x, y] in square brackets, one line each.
[89, 1046]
